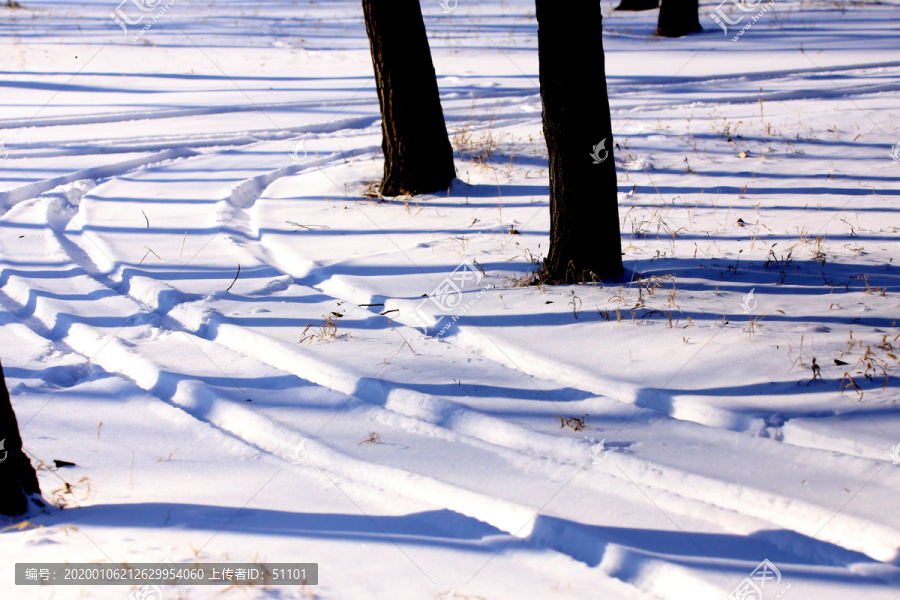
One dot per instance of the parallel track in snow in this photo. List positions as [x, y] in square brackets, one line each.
[678, 491]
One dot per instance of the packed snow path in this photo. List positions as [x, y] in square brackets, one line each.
[204, 308]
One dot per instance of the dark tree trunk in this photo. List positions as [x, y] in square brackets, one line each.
[638, 5]
[418, 157]
[584, 219]
[17, 476]
[678, 18]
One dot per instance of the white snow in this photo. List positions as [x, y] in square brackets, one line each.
[222, 419]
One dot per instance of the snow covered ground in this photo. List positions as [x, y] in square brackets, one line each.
[654, 439]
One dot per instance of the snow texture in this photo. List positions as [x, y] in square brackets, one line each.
[203, 308]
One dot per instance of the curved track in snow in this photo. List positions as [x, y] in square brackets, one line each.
[260, 301]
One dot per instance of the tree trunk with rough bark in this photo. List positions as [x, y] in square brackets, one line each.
[17, 477]
[418, 157]
[678, 18]
[585, 244]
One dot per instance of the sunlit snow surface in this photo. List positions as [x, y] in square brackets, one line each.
[218, 418]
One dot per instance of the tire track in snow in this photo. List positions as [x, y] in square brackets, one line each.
[192, 141]
[10, 198]
[225, 411]
[202, 404]
[861, 534]
[790, 513]
[411, 403]
[752, 78]
[206, 404]
[212, 406]
[169, 113]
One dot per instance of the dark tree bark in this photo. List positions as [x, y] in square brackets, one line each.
[638, 5]
[17, 477]
[584, 219]
[678, 18]
[418, 157]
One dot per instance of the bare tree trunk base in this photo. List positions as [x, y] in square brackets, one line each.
[678, 18]
[31, 506]
[418, 157]
[19, 489]
[548, 277]
[585, 244]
